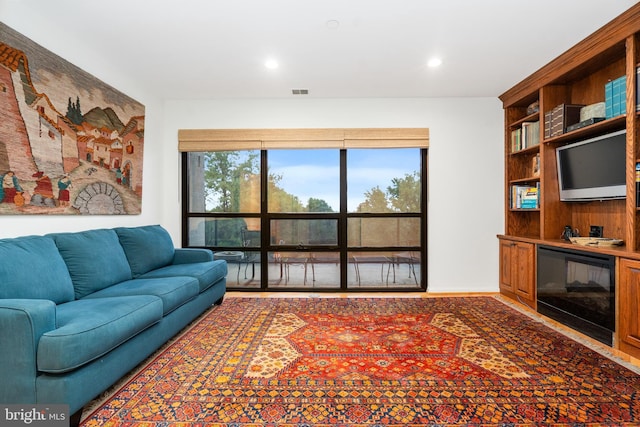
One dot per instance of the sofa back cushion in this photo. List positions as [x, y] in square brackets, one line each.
[94, 258]
[148, 247]
[31, 267]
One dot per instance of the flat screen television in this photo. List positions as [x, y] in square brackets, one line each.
[593, 169]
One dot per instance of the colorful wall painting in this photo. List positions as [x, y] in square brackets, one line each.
[69, 143]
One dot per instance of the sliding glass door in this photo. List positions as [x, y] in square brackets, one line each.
[303, 219]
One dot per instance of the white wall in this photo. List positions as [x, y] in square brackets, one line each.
[465, 208]
[465, 158]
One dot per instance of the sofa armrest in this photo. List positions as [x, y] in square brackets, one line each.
[191, 255]
[22, 323]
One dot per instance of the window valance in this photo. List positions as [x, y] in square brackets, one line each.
[257, 139]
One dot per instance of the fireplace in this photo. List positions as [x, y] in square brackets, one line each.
[577, 289]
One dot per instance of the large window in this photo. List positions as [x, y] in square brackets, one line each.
[333, 218]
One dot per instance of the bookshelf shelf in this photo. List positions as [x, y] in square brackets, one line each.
[530, 118]
[528, 150]
[525, 180]
[610, 125]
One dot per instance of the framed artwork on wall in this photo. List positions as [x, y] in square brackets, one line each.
[69, 143]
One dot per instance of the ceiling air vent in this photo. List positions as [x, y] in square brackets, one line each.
[300, 91]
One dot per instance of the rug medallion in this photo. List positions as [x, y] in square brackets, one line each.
[373, 362]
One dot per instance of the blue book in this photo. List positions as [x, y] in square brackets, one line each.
[608, 100]
[623, 95]
[615, 98]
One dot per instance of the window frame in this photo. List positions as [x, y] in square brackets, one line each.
[343, 139]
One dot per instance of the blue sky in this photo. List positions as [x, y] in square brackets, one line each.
[315, 173]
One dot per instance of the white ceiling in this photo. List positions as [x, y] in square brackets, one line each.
[199, 49]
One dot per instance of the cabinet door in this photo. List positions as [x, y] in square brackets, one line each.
[524, 270]
[517, 271]
[506, 266]
[629, 306]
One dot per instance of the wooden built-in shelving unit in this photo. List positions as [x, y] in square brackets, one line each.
[578, 76]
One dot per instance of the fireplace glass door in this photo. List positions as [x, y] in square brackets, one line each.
[577, 288]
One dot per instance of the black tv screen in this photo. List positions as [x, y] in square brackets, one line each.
[593, 169]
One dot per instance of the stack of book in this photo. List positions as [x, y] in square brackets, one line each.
[528, 135]
[615, 97]
[559, 118]
[525, 196]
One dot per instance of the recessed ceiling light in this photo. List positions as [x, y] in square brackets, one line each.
[271, 64]
[434, 62]
[333, 24]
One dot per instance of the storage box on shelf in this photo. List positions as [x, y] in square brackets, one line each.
[582, 77]
[559, 118]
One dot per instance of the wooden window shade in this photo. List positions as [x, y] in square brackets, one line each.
[256, 139]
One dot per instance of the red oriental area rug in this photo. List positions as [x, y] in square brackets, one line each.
[373, 362]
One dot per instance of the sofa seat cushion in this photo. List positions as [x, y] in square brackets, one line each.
[95, 259]
[147, 247]
[32, 268]
[207, 273]
[173, 291]
[90, 328]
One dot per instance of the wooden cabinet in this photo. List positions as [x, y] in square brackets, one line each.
[629, 306]
[517, 271]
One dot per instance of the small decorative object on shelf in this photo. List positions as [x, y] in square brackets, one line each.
[596, 241]
[592, 111]
[568, 233]
[536, 165]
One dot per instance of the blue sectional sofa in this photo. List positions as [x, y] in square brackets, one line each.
[80, 310]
